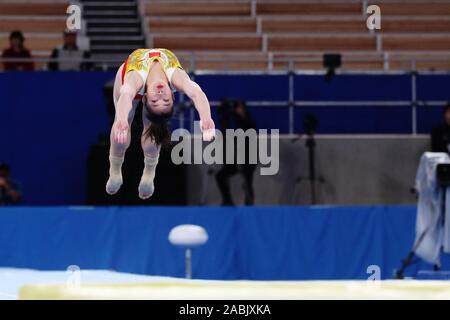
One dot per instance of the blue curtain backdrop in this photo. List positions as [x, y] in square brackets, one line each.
[265, 243]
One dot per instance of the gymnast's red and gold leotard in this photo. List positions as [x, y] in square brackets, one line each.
[140, 60]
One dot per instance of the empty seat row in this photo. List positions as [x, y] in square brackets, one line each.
[227, 8]
[302, 42]
[33, 8]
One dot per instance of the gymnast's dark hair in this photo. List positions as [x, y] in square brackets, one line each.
[159, 130]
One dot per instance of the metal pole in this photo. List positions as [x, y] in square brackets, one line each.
[291, 97]
[414, 97]
[253, 8]
[364, 7]
[188, 258]
[311, 144]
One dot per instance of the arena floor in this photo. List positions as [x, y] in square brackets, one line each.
[102, 284]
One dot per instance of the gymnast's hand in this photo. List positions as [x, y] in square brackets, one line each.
[208, 129]
[121, 130]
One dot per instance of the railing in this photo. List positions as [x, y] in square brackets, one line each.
[192, 59]
[290, 71]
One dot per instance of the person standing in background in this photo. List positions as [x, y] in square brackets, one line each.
[440, 135]
[238, 112]
[17, 50]
[9, 193]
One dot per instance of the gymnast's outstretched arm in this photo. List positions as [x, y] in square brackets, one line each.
[120, 131]
[183, 83]
[123, 99]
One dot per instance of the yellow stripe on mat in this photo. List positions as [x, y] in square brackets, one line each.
[244, 290]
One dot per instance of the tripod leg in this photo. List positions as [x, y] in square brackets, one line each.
[408, 260]
[405, 263]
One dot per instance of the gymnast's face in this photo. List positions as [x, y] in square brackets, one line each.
[159, 98]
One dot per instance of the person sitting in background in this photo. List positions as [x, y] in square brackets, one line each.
[17, 50]
[69, 57]
[9, 193]
[440, 135]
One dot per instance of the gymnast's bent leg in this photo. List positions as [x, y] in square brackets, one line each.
[151, 156]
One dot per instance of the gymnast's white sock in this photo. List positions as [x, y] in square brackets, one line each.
[115, 174]
[146, 186]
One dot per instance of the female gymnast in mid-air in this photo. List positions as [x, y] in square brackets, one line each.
[150, 76]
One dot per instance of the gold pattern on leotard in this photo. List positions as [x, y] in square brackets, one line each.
[141, 59]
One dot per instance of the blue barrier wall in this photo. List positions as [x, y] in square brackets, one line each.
[244, 243]
[48, 120]
[47, 123]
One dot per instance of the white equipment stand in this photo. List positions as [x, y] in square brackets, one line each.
[188, 236]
